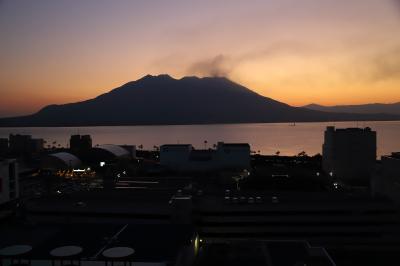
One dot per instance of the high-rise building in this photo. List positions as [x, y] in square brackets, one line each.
[19, 143]
[24, 144]
[349, 153]
[79, 143]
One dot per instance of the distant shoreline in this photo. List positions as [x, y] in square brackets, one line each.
[191, 124]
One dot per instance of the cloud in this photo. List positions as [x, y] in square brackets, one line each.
[282, 48]
[384, 65]
[388, 65]
[217, 66]
[223, 65]
[373, 67]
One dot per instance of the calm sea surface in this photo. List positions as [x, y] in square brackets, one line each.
[266, 138]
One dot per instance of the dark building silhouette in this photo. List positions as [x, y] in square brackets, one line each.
[24, 144]
[3, 146]
[9, 182]
[19, 143]
[349, 153]
[80, 143]
[386, 179]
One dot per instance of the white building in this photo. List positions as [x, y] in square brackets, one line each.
[226, 156]
[349, 153]
[386, 180]
[60, 161]
[9, 183]
[233, 155]
[175, 156]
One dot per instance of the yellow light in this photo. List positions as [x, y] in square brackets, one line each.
[196, 245]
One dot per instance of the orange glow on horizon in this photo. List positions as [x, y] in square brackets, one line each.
[324, 52]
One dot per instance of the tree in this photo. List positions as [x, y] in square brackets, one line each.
[302, 154]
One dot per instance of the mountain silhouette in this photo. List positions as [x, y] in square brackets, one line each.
[372, 108]
[163, 100]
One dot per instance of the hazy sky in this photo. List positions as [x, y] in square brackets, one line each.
[295, 51]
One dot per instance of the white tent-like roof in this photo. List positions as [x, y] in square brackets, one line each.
[116, 150]
[68, 158]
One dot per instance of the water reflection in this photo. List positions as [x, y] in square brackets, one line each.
[266, 138]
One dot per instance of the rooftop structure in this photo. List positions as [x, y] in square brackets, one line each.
[92, 244]
[327, 220]
[60, 160]
[113, 150]
[263, 253]
[226, 156]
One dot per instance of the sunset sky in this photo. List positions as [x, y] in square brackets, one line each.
[295, 51]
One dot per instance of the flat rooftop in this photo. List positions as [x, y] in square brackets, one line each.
[151, 242]
[262, 253]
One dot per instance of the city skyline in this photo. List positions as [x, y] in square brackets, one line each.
[297, 52]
